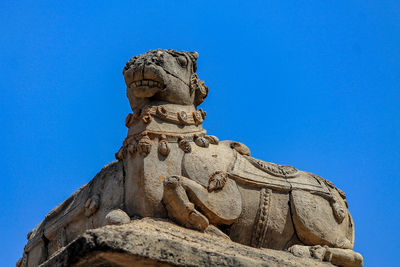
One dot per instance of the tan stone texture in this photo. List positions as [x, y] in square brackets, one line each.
[151, 242]
[168, 167]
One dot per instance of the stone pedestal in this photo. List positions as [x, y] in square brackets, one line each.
[157, 242]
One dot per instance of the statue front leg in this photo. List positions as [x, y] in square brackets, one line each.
[220, 203]
[178, 206]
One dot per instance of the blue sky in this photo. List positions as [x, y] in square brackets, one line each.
[314, 84]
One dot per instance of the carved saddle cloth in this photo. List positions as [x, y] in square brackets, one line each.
[254, 172]
[336, 229]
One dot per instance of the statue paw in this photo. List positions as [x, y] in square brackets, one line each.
[179, 207]
[197, 221]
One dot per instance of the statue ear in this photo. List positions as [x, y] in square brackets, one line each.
[199, 89]
[193, 56]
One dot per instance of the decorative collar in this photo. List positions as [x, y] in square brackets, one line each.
[161, 112]
[141, 143]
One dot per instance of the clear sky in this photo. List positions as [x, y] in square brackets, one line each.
[314, 84]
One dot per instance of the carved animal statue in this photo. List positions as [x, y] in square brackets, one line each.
[174, 169]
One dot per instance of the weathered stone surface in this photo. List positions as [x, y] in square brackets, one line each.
[169, 168]
[150, 242]
[308, 209]
[85, 209]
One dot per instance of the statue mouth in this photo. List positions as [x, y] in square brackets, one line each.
[146, 87]
[146, 83]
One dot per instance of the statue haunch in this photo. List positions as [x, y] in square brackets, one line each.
[173, 169]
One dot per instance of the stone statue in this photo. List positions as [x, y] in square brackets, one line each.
[168, 167]
[175, 169]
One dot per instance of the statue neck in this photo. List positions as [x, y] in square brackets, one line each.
[165, 118]
[166, 123]
[169, 106]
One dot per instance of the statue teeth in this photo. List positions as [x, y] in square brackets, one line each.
[150, 83]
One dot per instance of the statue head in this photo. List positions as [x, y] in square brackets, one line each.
[164, 75]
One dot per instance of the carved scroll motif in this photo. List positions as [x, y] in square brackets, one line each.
[261, 221]
[284, 171]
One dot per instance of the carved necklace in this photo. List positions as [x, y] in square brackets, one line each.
[182, 118]
[141, 143]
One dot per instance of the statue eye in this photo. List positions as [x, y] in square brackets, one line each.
[182, 61]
